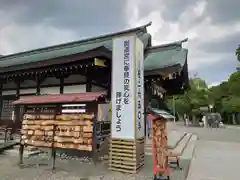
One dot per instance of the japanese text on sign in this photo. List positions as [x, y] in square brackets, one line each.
[118, 111]
[139, 97]
[126, 72]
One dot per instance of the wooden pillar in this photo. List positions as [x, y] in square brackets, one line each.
[1, 99]
[17, 117]
[109, 91]
[61, 84]
[89, 79]
[38, 80]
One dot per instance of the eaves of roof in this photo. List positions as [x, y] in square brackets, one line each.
[71, 48]
[166, 55]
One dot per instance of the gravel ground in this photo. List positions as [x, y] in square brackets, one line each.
[39, 167]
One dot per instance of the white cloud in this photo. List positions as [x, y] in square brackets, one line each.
[199, 8]
[214, 84]
[15, 38]
[202, 31]
[193, 22]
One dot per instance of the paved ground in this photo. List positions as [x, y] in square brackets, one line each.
[215, 160]
[229, 134]
[217, 154]
[216, 157]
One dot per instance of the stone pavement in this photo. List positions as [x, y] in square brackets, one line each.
[215, 161]
[207, 134]
[217, 154]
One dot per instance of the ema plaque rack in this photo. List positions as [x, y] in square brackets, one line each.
[38, 127]
[55, 125]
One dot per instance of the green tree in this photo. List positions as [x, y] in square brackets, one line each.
[238, 52]
[231, 104]
[179, 103]
[193, 99]
[226, 96]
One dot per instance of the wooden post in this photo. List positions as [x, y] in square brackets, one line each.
[53, 150]
[21, 149]
[89, 79]
[17, 118]
[1, 99]
[109, 92]
[38, 80]
[61, 84]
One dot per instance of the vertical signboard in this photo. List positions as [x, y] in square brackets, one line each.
[139, 89]
[124, 88]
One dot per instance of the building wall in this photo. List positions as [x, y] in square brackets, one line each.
[10, 89]
[97, 88]
[75, 89]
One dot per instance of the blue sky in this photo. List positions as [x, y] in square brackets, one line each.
[213, 35]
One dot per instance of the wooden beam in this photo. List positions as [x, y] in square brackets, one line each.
[45, 86]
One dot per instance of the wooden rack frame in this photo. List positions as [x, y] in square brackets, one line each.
[99, 129]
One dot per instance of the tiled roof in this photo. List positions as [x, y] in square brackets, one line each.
[155, 114]
[165, 55]
[157, 57]
[61, 98]
[71, 48]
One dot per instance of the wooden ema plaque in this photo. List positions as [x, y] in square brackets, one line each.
[126, 156]
[73, 131]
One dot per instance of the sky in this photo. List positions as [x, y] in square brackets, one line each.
[212, 26]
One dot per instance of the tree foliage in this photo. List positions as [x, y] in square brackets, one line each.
[191, 100]
[238, 52]
[230, 94]
[225, 97]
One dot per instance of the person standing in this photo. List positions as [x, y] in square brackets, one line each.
[204, 121]
[185, 120]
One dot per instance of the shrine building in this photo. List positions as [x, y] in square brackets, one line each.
[86, 66]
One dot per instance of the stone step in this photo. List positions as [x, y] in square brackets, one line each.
[182, 145]
[174, 138]
[189, 150]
